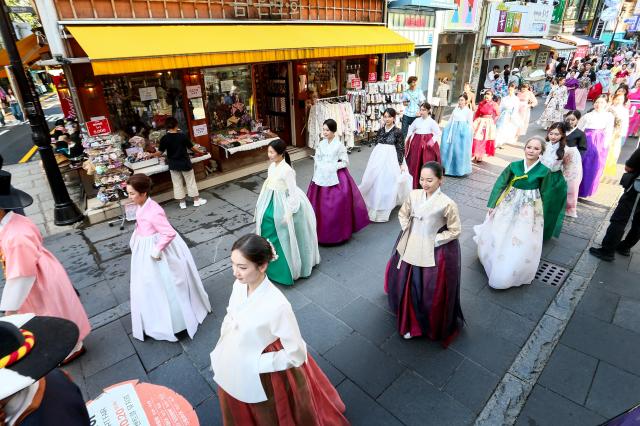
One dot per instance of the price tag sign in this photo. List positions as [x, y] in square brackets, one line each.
[373, 77]
[387, 76]
[356, 83]
[199, 130]
[98, 127]
[148, 93]
[194, 91]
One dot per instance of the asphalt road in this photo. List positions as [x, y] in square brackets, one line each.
[15, 139]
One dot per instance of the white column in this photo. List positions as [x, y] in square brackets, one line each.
[49, 19]
[434, 54]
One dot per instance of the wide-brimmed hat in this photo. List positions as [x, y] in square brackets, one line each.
[30, 347]
[10, 197]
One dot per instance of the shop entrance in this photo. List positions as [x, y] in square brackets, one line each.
[273, 98]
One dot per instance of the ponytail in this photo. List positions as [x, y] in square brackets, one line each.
[287, 158]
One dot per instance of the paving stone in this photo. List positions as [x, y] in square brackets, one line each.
[153, 353]
[340, 268]
[472, 281]
[127, 369]
[326, 292]
[240, 197]
[599, 302]
[321, 330]
[113, 247]
[362, 409]
[472, 385]
[604, 341]
[529, 301]
[613, 391]
[117, 272]
[209, 412]
[105, 346]
[295, 296]
[615, 279]
[486, 348]
[370, 286]
[361, 361]
[335, 376]
[97, 298]
[429, 359]
[103, 231]
[569, 373]
[200, 236]
[628, 315]
[415, 402]
[634, 264]
[180, 375]
[369, 320]
[200, 347]
[545, 407]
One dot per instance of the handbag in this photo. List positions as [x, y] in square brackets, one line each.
[627, 180]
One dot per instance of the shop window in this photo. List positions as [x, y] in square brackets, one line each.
[320, 78]
[354, 69]
[228, 97]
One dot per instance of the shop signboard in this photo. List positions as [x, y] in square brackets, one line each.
[515, 19]
[200, 130]
[464, 18]
[373, 77]
[558, 12]
[194, 91]
[98, 126]
[148, 94]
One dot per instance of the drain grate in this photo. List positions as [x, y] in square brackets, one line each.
[550, 273]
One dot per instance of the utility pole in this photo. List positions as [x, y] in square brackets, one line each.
[65, 211]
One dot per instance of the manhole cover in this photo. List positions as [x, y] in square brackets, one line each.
[550, 273]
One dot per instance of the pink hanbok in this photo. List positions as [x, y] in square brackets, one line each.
[528, 101]
[24, 256]
[634, 112]
[167, 295]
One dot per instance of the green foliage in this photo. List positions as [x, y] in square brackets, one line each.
[32, 20]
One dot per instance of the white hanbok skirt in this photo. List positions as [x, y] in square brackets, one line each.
[383, 185]
[510, 240]
[167, 295]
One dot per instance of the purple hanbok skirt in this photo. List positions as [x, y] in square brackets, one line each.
[593, 162]
[340, 209]
[571, 100]
[426, 300]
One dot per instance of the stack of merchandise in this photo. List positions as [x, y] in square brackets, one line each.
[106, 164]
[369, 104]
[338, 109]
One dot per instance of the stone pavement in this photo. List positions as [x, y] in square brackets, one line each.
[342, 310]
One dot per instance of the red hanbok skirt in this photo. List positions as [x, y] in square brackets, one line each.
[594, 92]
[296, 396]
[421, 150]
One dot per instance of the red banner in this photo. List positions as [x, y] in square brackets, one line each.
[356, 83]
[66, 103]
[98, 127]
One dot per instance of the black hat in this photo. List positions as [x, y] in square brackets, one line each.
[30, 347]
[10, 197]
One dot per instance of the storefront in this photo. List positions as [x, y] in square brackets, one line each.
[596, 46]
[582, 47]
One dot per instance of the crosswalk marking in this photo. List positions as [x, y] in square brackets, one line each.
[54, 117]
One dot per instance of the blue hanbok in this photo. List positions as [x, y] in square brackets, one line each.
[455, 148]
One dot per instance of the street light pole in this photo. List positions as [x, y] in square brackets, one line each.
[65, 211]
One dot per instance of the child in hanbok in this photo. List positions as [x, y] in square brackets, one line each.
[422, 143]
[35, 281]
[554, 105]
[339, 206]
[284, 217]
[167, 295]
[634, 109]
[422, 280]
[620, 113]
[484, 128]
[509, 120]
[576, 147]
[528, 101]
[456, 140]
[598, 128]
[386, 182]
[565, 165]
[510, 238]
[261, 364]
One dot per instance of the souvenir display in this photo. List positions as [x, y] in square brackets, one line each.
[106, 159]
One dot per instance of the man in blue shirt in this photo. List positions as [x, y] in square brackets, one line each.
[411, 99]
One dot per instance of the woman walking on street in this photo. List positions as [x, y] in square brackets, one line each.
[264, 373]
[572, 170]
[167, 295]
[471, 97]
[14, 106]
[444, 89]
[554, 105]
[339, 206]
[382, 185]
[422, 280]
[528, 101]
[422, 143]
[620, 112]
[285, 217]
[634, 109]
[582, 92]
[508, 122]
[456, 140]
[564, 164]
[572, 83]
[484, 128]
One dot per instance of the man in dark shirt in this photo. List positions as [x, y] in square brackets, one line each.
[177, 146]
[612, 241]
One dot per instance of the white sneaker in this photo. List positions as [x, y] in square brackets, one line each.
[183, 205]
[407, 336]
[200, 202]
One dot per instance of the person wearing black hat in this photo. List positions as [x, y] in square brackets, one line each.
[19, 211]
[35, 281]
[32, 391]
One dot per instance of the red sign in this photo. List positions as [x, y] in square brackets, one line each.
[581, 52]
[98, 127]
[66, 103]
[387, 76]
[356, 83]
[373, 77]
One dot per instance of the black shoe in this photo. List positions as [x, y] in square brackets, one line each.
[624, 251]
[601, 254]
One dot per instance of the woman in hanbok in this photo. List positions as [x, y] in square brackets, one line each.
[383, 185]
[500, 86]
[634, 109]
[597, 126]
[484, 128]
[603, 78]
[572, 83]
[576, 147]
[339, 206]
[471, 96]
[511, 236]
[566, 172]
[456, 140]
[261, 364]
[508, 122]
[554, 105]
[422, 143]
[167, 295]
[528, 101]
[584, 83]
[422, 279]
[284, 217]
[34, 280]
[620, 113]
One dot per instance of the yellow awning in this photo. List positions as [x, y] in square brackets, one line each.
[138, 48]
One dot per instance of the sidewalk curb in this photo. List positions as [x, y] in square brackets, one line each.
[511, 394]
